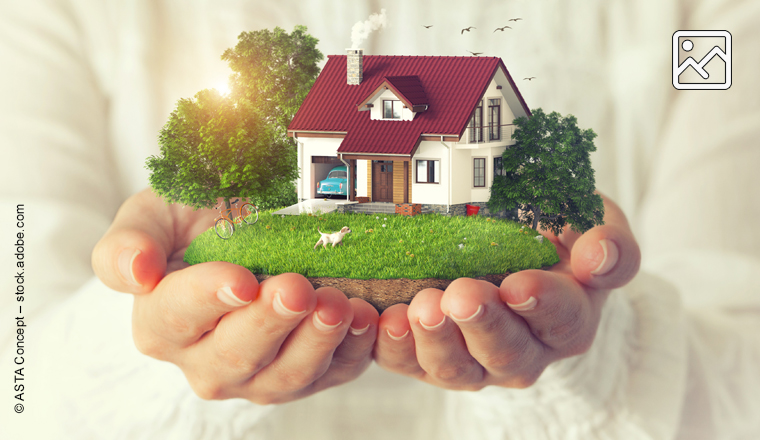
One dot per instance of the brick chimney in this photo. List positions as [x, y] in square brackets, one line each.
[354, 66]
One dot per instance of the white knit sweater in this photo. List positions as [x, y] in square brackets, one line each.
[86, 85]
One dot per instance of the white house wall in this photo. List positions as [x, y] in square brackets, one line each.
[463, 189]
[431, 193]
[361, 178]
[312, 147]
[505, 93]
[306, 183]
[481, 194]
[510, 95]
[464, 153]
[508, 100]
[376, 112]
[461, 176]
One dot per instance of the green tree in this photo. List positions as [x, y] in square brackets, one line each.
[273, 72]
[547, 174]
[210, 148]
[236, 145]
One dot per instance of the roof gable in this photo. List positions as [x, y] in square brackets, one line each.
[409, 89]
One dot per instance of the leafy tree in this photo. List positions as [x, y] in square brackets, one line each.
[273, 73]
[547, 174]
[236, 145]
[211, 148]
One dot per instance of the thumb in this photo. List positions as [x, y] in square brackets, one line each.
[132, 255]
[606, 256]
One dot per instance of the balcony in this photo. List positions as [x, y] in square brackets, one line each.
[476, 137]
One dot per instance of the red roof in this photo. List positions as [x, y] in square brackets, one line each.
[450, 86]
[409, 87]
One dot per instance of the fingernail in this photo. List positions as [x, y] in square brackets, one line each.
[280, 308]
[471, 317]
[226, 296]
[358, 331]
[530, 304]
[126, 265]
[319, 324]
[433, 327]
[396, 338]
[610, 257]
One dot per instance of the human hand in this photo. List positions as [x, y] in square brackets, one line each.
[475, 334]
[268, 343]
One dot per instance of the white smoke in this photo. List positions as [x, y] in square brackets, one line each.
[361, 30]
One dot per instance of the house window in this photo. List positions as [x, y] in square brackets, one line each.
[428, 171]
[392, 109]
[476, 125]
[494, 119]
[498, 166]
[479, 172]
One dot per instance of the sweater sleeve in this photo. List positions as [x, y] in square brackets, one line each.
[83, 377]
[628, 385]
[677, 350]
[56, 168]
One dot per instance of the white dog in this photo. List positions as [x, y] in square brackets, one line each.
[334, 238]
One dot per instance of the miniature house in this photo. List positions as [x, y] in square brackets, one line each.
[411, 129]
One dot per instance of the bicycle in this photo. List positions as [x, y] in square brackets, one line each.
[224, 225]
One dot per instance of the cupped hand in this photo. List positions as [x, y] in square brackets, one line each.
[474, 334]
[233, 338]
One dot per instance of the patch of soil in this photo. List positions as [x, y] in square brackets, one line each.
[385, 293]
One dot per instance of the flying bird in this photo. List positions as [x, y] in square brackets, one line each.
[502, 28]
[427, 27]
[467, 29]
[514, 19]
[529, 78]
[476, 53]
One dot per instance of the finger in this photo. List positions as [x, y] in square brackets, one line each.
[129, 260]
[187, 304]
[132, 255]
[394, 349]
[559, 312]
[247, 340]
[308, 351]
[365, 318]
[496, 337]
[354, 354]
[440, 346]
[606, 256]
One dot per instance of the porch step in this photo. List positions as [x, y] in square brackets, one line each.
[374, 208]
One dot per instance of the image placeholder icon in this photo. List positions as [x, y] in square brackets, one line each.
[702, 60]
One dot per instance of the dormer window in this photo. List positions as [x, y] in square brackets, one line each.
[397, 98]
[391, 109]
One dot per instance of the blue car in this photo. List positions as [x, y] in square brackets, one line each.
[336, 182]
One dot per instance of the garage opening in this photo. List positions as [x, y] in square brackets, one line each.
[321, 166]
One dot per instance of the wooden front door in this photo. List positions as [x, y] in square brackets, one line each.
[382, 181]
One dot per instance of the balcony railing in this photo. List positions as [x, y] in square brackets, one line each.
[489, 133]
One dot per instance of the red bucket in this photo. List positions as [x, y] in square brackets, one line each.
[472, 209]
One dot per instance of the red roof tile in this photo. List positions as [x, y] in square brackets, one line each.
[409, 87]
[451, 87]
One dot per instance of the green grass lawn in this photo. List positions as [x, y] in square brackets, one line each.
[380, 246]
